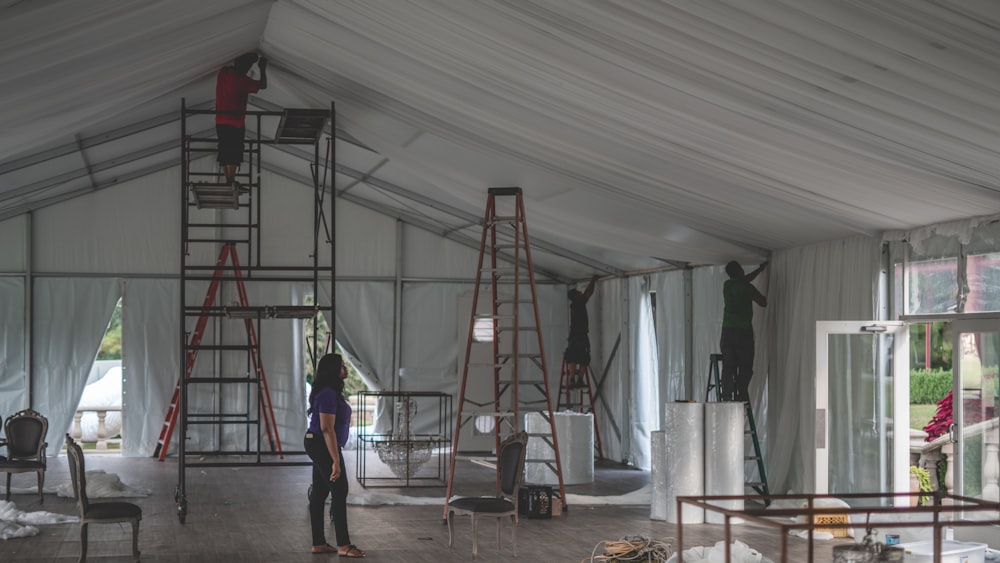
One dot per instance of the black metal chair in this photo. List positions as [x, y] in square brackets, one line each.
[98, 512]
[24, 442]
[510, 467]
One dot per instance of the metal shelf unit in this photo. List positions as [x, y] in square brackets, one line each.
[410, 444]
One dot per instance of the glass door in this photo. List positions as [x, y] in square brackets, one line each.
[975, 353]
[862, 390]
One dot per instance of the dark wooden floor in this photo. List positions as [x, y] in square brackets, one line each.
[259, 514]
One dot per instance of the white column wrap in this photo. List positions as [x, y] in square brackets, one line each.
[658, 477]
[684, 455]
[724, 447]
[575, 434]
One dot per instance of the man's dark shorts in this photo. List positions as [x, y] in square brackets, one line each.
[578, 350]
[230, 144]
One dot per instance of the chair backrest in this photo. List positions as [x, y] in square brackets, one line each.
[77, 473]
[25, 432]
[510, 464]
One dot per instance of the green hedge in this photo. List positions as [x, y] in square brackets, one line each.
[929, 387]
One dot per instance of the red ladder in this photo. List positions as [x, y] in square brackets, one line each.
[519, 376]
[170, 421]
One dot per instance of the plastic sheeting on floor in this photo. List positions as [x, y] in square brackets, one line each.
[15, 523]
[739, 553]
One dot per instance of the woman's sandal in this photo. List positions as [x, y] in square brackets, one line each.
[325, 548]
[352, 552]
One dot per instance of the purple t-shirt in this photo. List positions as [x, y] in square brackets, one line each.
[328, 401]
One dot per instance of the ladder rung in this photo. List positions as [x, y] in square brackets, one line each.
[221, 380]
[222, 347]
[488, 413]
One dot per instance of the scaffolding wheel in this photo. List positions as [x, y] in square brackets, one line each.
[181, 505]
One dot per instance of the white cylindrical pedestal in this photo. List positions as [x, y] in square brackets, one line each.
[658, 476]
[575, 435]
[684, 459]
[724, 451]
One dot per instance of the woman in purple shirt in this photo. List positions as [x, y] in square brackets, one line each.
[329, 428]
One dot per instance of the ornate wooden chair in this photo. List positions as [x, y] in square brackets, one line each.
[510, 466]
[98, 512]
[24, 443]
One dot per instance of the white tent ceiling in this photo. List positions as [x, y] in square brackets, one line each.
[645, 134]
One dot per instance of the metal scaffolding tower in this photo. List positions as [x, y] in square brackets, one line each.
[228, 332]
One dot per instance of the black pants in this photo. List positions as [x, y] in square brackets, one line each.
[230, 144]
[737, 347]
[322, 487]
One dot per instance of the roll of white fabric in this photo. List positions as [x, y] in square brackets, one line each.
[724, 447]
[575, 435]
[658, 475]
[684, 459]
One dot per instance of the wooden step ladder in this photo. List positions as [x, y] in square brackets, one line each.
[575, 395]
[194, 343]
[520, 378]
[715, 383]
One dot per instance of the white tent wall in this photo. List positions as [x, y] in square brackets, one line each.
[830, 281]
[70, 317]
[13, 233]
[151, 360]
[644, 414]
[132, 228]
[671, 338]
[433, 257]
[609, 324]
[13, 364]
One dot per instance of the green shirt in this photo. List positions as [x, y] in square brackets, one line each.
[738, 296]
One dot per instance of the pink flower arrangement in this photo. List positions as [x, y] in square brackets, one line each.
[941, 421]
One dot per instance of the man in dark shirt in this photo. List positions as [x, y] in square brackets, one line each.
[232, 86]
[737, 342]
[577, 354]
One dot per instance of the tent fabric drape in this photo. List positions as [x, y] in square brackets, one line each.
[151, 361]
[645, 394]
[70, 318]
[670, 336]
[13, 367]
[829, 281]
[612, 394]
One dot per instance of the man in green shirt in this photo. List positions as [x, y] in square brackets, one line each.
[737, 342]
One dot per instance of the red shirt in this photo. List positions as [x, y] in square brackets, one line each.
[231, 91]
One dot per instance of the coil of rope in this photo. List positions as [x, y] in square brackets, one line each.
[632, 549]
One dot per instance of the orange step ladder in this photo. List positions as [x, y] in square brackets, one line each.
[227, 253]
[519, 375]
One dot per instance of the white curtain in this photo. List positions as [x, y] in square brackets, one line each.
[13, 367]
[365, 320]
[670, 337]
[644, 417]
[151, 360]
[71, 317]
[707, 311]
[611, 398]
[830, 281]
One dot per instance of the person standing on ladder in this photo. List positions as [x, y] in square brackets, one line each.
[577, 354]
[737, 342]
[232, 86]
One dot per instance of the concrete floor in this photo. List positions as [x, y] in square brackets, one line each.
[259, 514]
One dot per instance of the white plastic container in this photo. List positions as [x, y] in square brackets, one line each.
[951, 552]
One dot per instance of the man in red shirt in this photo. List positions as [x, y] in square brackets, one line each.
[232, 86]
